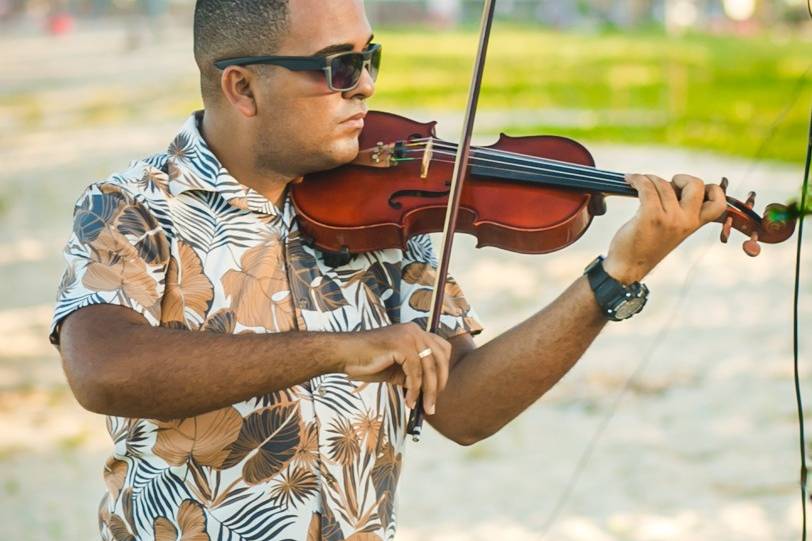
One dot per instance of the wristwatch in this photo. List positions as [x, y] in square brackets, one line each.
[617, 300]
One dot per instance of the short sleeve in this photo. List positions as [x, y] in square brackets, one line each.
[117, 254]
[419, 272]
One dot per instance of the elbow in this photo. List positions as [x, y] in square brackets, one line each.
[91, 376]
[96, 369]
[466, 440]
[89, 384]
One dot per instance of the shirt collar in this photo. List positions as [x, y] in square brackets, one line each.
[193, 166]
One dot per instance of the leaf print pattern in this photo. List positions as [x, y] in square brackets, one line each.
[268, 439]
[114, 526]
[385, 477]
[187, 302]
[95, 214]
[206, 439]
[115, 474]
[316, 291]
[259, 288]
[178, 239]
[294, 486]
[419, 274]
[154, 180]
[191, 522]
[147, 234]
[114, 271]
[344, 445]
[367, 429]
[223, 322]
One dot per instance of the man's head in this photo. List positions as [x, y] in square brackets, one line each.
[293, 123]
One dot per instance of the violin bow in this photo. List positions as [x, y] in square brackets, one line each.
[415, 426]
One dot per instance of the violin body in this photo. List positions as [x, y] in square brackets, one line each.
[531, 195]
[381, 207]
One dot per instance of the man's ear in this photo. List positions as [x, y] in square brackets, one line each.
[236, 84]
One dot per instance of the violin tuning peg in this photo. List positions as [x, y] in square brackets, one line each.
[751, 200]
[724, 184]
[752, 247]
[726, 229]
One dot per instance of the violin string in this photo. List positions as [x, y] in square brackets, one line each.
[610, 175]
[439, 143]
[535, 161]
[576, 183]
[584, 172]
[435, 143]
[592, 181]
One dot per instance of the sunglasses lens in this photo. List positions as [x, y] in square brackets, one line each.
[347, 70]
[375, 64]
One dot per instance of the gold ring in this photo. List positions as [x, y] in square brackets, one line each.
[425, 353]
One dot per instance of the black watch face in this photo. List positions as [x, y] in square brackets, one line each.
[629, 307]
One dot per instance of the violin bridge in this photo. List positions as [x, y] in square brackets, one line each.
[381, 156]
[428, 155]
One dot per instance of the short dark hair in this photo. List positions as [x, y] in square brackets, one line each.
[229, 28]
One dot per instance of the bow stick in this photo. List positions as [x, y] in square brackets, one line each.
[415, 426]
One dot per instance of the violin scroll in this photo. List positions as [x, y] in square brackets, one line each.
[777, 224]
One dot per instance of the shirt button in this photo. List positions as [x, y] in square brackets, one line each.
[321, 391]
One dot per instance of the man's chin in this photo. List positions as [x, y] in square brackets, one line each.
[343, 153]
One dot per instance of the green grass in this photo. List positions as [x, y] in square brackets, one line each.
[725, 94]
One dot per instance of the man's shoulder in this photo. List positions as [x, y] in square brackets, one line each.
[143, 181]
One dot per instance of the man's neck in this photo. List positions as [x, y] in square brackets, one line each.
[239, 160]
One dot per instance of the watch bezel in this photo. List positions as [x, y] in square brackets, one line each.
[636, 297]
[622, 302]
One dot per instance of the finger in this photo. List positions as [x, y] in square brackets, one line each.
[693, 193]
[668, 197]
[715, 204]
[413, 370]
[429, 383]
[398, 378]
[442, 357]
[646, 192]
[393, 375]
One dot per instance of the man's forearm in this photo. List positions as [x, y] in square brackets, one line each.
[491, 385]
[134, 370]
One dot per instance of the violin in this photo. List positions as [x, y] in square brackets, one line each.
[532, 195]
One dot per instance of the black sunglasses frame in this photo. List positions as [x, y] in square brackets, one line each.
[312, 63]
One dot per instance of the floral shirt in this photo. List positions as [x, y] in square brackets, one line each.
[179, 240]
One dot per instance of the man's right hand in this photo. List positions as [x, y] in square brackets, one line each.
[391, 355]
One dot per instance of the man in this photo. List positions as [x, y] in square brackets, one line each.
[252, 390]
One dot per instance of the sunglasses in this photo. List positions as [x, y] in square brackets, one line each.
[342, 70]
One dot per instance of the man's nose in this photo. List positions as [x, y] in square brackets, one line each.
[365, 88]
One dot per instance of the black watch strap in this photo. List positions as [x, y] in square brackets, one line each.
[611, 294]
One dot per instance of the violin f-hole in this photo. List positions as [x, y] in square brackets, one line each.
[413, 193]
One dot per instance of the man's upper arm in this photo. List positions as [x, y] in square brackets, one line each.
[460, 345]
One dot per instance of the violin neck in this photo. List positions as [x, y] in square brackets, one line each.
[523, 168]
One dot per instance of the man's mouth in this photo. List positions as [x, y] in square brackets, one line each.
[355, 121]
